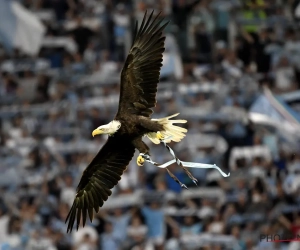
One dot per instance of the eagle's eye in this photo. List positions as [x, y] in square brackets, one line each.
[119, 125]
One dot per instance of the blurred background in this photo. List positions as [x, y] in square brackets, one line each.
[231, 68]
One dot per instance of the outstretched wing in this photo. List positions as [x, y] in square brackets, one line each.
[141, 71]
[97, 180]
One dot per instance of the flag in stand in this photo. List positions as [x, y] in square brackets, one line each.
[20, 28]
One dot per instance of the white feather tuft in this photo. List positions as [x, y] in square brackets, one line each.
[175, 133]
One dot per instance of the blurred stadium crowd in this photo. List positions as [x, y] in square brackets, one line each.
[222, 59]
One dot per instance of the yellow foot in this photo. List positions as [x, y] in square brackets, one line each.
[159, 136]
[140, 160]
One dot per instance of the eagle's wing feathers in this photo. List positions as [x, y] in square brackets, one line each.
[97, 180]
[141, 71]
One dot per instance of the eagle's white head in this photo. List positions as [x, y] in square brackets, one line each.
[108, 129]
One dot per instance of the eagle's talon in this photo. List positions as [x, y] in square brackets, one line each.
[160, 136]
[140, 160]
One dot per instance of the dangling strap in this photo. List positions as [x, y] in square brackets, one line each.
[182, 163]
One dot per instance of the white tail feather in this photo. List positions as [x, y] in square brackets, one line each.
[175, 133]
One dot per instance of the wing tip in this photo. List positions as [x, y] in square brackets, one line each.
[154, 20]
[71, 217]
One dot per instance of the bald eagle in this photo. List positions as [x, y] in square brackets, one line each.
[139, 79]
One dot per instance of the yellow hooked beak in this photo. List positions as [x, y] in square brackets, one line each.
[97, 132]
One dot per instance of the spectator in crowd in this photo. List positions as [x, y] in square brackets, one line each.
[108, 240]
[190, 227]
[136, 231]
[81, 35]
[154, 219]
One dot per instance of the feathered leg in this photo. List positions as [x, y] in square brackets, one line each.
[143, 149]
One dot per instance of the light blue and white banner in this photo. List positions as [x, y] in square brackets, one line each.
[20, 28]
[275, 108]
[273, 111]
